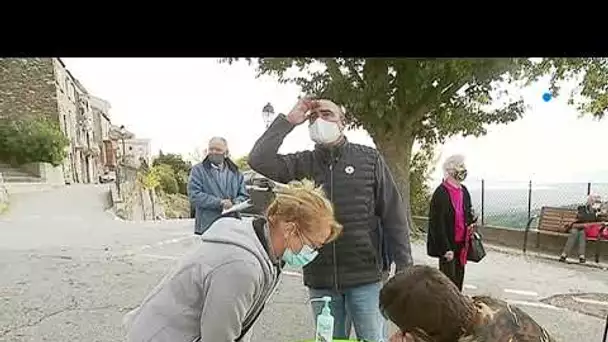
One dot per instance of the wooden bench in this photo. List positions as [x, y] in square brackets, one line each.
[557, 221]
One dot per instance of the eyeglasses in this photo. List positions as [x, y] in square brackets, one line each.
[312, 245]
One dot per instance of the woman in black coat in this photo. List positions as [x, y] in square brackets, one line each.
[451, 221]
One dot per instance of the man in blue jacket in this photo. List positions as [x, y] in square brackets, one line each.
[215, 184]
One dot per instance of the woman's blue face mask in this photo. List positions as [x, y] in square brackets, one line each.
[302, 258]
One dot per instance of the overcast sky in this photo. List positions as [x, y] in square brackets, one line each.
[181, 103]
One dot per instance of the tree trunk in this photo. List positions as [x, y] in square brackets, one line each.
[397, 152]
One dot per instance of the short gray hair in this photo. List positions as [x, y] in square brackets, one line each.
[592, 198]
[222, 139]
[451, 162]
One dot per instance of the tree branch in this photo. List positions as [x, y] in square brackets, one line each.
[435, 97]
[333, 68]
[353, 70]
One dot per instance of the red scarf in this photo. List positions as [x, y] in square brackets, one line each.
[460, 228]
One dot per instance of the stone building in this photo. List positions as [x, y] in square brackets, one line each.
[77, 121]
[28, 88]
[136, 150]
[101, 132]
[119, 136]
[45, 87]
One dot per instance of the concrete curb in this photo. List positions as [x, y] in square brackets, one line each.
[4, 196]
[544, 256]
[3, 208]
[114, 216]
[111, 213]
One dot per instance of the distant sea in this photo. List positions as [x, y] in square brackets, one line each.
[506, 203]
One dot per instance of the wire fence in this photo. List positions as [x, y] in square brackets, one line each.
[511, 204]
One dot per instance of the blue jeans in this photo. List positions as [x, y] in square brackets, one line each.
[383, 325]
[357, 304]
[383, 322]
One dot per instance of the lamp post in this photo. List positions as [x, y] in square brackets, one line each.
[123, 133]
[268, 114]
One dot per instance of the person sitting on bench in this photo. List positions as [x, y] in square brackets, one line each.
[585, 214]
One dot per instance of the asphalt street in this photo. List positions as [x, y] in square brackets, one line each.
[69, 271]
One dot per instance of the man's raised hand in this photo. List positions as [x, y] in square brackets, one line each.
[299, 113]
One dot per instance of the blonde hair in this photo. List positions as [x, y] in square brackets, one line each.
[305, 204]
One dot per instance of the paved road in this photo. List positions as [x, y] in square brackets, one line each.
[71, 275]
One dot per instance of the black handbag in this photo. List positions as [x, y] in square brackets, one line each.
[476, 251]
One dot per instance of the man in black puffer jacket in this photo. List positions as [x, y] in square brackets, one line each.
[365, 196]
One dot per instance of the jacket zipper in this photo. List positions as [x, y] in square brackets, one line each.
[331, 198]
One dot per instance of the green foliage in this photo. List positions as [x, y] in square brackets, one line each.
[175, 160]
[591, 74]
[168, 179]
[421, 168]
[435, 98]
[182, 181]
[403, 100]
[180, 171]
[149, 178]
[242, 163]
[32, 140]
[176, 206]
[430, 99]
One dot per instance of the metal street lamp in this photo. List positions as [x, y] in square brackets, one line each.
[268, 114]
[123, 134]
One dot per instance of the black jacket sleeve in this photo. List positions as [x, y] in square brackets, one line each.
[265, 159]
[390, 209]
[468, 210]
[438, 238]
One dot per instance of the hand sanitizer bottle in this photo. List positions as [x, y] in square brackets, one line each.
[325, 322]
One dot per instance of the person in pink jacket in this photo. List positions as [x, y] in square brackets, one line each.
[451, 221]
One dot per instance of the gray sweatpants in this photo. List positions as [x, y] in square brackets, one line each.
[576, 234]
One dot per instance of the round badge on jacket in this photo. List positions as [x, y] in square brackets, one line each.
[349, 170]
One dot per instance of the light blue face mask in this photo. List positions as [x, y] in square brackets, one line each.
[300, 259]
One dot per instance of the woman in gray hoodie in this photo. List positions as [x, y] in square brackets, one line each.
[217, 293]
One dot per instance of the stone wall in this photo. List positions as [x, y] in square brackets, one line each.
[48, 173]
[134, 202]
[3, 195]
[28, 87]
[542, 242]
[68, 109]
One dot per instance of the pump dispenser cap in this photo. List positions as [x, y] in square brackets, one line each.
[326, 309]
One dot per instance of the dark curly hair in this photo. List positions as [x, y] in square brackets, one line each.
[424, 302]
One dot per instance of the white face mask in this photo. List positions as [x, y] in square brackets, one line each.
[324, 132]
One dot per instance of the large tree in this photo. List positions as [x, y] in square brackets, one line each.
[400, 101]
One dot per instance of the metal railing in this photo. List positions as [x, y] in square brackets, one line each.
[513, 204]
